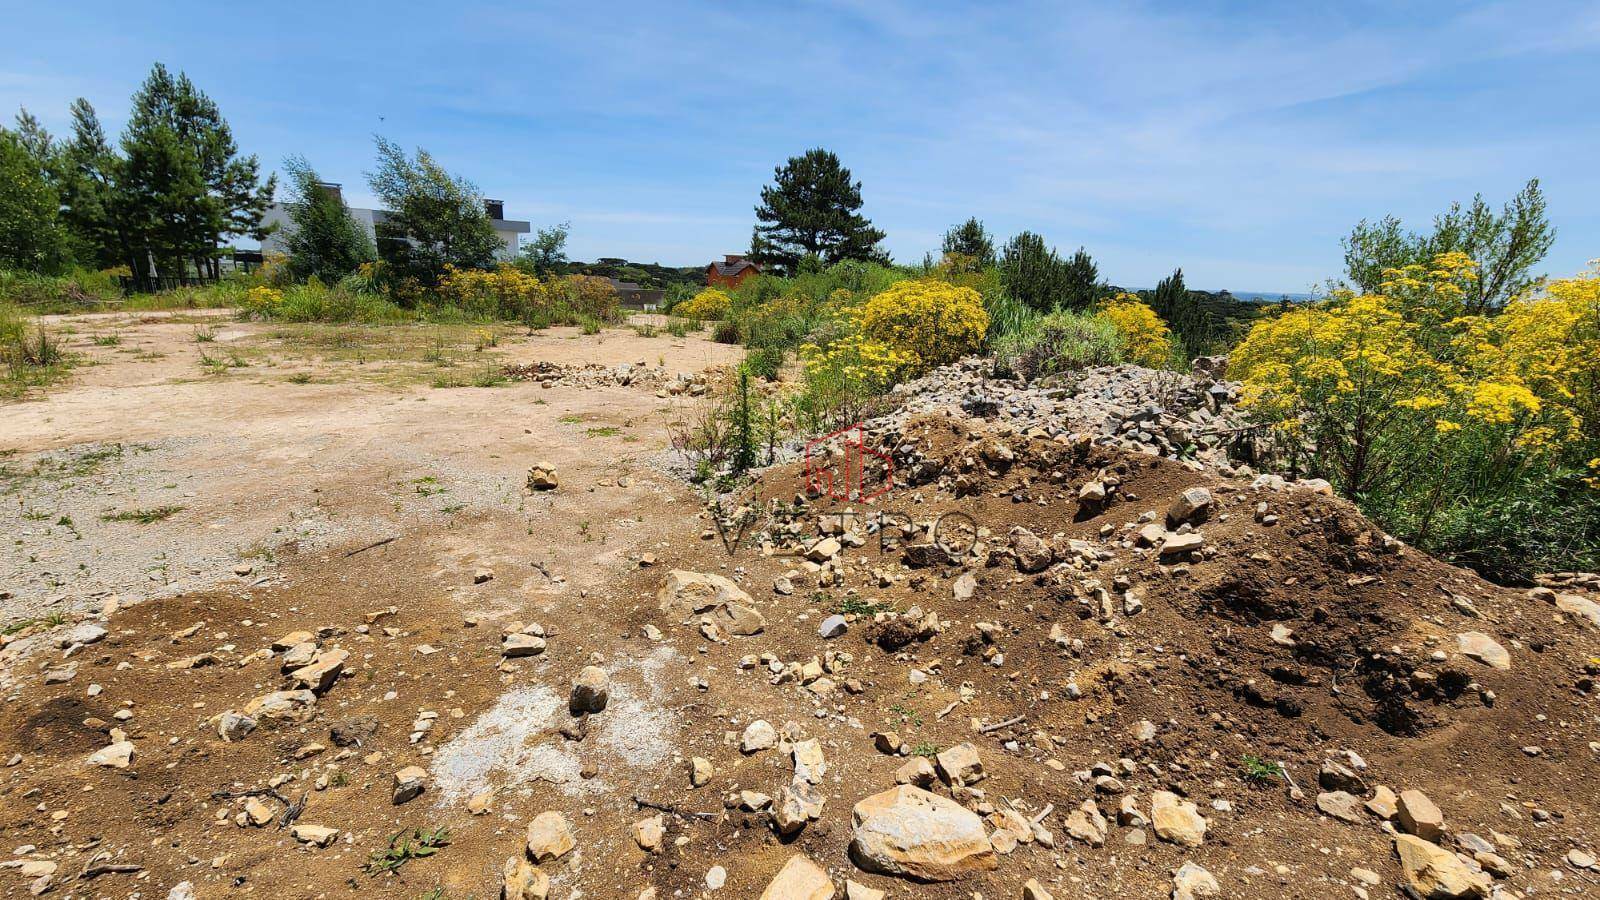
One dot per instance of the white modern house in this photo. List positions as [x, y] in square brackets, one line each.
[508, 230]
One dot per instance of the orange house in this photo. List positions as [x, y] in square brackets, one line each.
[731, 272]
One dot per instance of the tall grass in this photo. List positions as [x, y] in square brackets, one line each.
[30, 355]
[1061, 341]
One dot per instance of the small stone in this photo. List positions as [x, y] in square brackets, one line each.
[409, 783]
[1192, 881]
[1434, 872]
[521, 880]
[1384, 804]
[323, 672]
[917, 771]
[542, 477]
[550, 837]
[513, 646]
[855, 890]
[256, 812]
[809, 765]
[591, 690]
[832, 627]
[1175, 544]
[1340, 805]
[1580, 859]
[799, 879]
[1192, 506]
[316, 835]
[700, 771]
[1033, 890]
[650, 833]
[232, 726]
[115, 756]
[1419, 816]
[910, 832]
[758, 735]
[1485, 649]
[1176, 820]
[960, 765]
[716, 877]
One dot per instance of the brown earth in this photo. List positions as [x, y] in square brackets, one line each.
[293, 480]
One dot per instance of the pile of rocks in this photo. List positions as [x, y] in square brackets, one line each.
[1144, 410]
[636, 374]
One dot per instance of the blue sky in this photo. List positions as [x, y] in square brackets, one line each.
[1236, 140]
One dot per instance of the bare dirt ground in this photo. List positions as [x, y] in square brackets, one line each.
[285, 472]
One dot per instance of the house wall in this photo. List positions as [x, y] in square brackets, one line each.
[506, 230]
[713, 279]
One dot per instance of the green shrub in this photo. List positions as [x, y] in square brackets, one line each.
[764, 362]
[30, 355]
[72, 292]
[1510, 531]
[1062, 341]
[727, 332]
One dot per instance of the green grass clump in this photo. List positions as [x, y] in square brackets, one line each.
[143, 516]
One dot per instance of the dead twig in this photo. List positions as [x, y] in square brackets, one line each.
[293, 810]
[990, 729]
[372, 546]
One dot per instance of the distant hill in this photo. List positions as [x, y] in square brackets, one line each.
[646, 275]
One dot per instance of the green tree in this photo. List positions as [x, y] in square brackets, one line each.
[435, 219]
[812, 209]
[31, 236]
[1194, 324]
[547, 252]
[94, 205]
[1084, 287]
[186, 186]
[1033, 272]
[326, 242]
[1506, 245]
[970, 241]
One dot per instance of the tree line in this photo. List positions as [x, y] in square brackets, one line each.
[160, 201]
[810, 216]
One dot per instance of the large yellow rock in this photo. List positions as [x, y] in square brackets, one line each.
[799, 879]
[690, 592]
[1435, 873]
[910, 832]
[550, 837]
[1176, 820]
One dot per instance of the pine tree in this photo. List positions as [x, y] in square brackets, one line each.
[1032, 272]
[970, 242]
[326, 241]
[94, 209]
[185, 184]
[812, 209]
[1083, 286]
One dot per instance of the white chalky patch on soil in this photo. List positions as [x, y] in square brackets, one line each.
[518, 741]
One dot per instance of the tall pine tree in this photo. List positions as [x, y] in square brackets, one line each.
[812, 209]
[186, 186]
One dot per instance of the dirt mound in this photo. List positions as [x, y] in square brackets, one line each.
[1033, 659]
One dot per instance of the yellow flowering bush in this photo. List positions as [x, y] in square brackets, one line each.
[709, 304]
[1430, 416]
[926, 322]
[502, 291]
[1146, 339]
[262, 300]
